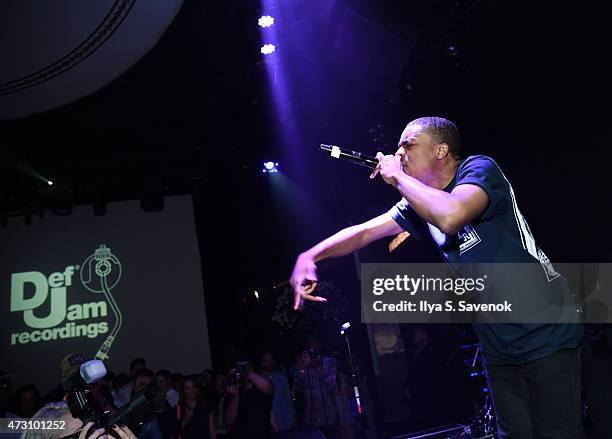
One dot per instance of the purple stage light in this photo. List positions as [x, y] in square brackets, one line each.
[265, 21]
[267, 49]
[270, 168]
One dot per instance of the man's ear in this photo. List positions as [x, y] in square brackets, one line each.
[441, 151]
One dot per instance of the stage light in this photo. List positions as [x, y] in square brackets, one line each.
[265, 21]
[256, 294]
[49, 182]
[270, 167]
[267, 49]
[344, 327]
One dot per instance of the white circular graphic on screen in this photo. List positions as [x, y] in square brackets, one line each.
[100, 269]
[55, 52]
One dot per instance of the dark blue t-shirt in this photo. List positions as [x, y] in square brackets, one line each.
[500, 235]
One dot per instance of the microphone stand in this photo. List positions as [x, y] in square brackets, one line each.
[354, 380]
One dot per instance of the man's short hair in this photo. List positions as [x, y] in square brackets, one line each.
[441, 131]
[144, 372]
[136, 361]
[52, 411]
[163, 373]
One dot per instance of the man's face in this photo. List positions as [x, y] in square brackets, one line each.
[163, 383]
[219, 381]
[27, 401]
[418, 152]
[137, 367]
[190, 390]
[141, 382]
[267, 361]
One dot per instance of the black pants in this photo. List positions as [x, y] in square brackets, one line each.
[539, 399]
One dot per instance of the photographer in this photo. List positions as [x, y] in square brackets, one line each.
[142, 379]
[74, 427]
[250, 403]
[315, 382]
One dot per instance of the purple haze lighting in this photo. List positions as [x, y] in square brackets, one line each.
[265, 21]
[267, 49]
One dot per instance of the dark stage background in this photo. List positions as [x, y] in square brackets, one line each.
[526, 82]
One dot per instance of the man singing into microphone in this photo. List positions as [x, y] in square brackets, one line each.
[533, 369]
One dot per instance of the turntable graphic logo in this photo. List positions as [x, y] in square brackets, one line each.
[100, 273]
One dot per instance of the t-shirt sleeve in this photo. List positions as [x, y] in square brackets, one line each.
[407, 218]
[484, 172]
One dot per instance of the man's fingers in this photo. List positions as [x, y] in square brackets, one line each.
[297, 286]
[297, 298]
[305, 294]
[96, 434]
[315, 298]
[123, 432]
[299, 304]
[120, 432]
[85, 430]
[309, 288]
[379, 156]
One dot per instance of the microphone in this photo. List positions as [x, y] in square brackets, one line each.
[350, 156]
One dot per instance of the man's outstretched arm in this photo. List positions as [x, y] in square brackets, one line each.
[342, 243]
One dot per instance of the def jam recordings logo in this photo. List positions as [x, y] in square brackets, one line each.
[468, 238]
[33, 290]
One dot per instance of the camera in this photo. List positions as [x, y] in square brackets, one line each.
[82, 404]
[239, 375]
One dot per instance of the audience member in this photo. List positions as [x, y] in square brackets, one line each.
[141, 380]
[164, 384]
[27, 401]
[59, 411]
[67, 366]
[219, 384]
[194, 418]
[250, 403]
[282, 406]
[122, 395]
[315, 380]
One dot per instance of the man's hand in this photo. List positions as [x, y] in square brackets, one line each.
[389, 167]
[304, 281]
[95, 434]
[124, 432]
[232, 390]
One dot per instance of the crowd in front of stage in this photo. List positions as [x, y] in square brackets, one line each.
[313, 397]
